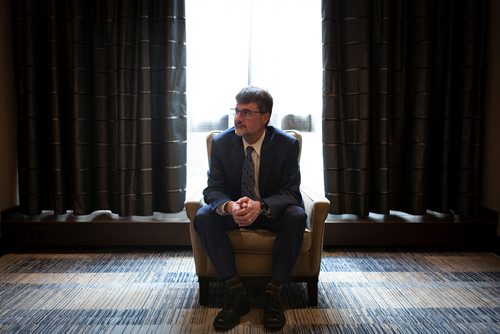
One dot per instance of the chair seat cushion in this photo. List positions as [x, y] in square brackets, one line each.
[260, 241]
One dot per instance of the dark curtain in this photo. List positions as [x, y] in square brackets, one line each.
[102, 105]
[402, 111]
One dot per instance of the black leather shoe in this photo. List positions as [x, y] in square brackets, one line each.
[274, 317]
[229, 316]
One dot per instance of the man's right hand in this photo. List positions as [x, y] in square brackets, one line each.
[248, 211]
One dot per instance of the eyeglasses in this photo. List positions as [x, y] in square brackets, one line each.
[245, 113]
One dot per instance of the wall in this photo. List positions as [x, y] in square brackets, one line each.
[8, 149]
[490, 196]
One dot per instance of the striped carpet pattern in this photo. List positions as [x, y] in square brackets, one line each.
[156, 291]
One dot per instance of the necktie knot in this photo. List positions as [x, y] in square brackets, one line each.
[249, 150]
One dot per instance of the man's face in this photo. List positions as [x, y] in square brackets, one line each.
[253, 125]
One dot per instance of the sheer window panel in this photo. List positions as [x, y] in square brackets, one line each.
[272, 44]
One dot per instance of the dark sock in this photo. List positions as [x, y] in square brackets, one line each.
[274, 286]
[235, 285]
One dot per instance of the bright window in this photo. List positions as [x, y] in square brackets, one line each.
[272, 44]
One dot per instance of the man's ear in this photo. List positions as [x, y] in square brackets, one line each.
[267, 117]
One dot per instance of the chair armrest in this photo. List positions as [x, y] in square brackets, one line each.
[192, 204]
[316, 206]
[192, 207]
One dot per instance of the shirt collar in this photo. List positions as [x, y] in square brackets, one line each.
[257, 145]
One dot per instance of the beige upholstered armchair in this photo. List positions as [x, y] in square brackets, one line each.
[253, 248]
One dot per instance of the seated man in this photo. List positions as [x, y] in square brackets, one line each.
[253, 182]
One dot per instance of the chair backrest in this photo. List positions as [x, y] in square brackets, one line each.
[212, 134]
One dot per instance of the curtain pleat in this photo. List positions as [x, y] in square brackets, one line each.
[402, 105]
[102, 105]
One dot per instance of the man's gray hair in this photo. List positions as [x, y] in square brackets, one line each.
[260, 96]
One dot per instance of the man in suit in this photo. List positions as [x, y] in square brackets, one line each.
[270, 201]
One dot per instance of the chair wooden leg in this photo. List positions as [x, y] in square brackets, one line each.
[204, 285]
[312, 291]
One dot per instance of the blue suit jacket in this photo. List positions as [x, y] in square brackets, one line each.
[279, 174]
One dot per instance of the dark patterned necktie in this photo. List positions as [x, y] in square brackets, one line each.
[247, 176]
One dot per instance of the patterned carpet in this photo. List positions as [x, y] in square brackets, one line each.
[156, 291]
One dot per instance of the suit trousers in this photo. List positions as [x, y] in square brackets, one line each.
[289, 228]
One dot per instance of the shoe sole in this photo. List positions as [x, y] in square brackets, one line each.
[274, 327]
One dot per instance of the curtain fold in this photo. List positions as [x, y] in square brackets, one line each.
[402, 105]
[101, 91]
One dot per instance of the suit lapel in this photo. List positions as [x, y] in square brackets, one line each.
[237, 156]
[266, 160]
